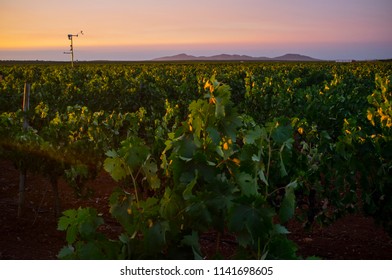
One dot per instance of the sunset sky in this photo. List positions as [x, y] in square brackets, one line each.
[146, 29]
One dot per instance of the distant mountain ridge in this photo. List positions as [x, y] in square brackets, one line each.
[236, 57]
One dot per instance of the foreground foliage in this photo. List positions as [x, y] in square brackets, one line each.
[236, 149]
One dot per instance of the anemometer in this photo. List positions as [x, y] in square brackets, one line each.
[71, 52]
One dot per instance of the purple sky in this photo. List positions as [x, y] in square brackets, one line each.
[146, 29]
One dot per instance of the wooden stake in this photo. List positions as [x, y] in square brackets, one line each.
[23, 170]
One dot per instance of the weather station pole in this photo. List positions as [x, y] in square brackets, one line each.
[71, 50]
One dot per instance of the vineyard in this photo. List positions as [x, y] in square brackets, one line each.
[235, 151]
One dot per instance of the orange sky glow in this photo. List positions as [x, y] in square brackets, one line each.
[144, 29]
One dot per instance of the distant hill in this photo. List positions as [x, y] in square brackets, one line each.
[181, 56]
[295, 57]
[235, 57]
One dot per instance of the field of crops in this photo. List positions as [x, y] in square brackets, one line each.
[237, 149]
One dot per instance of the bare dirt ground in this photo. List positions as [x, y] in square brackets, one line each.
[35, 234]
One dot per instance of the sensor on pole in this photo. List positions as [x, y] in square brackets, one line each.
[71, 50]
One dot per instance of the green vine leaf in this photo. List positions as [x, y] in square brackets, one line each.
[193, 241]
[248, 184]
[282, 133]
[116, 168]
[287, 207]
[150, 170]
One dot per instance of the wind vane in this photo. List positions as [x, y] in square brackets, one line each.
[71, 51]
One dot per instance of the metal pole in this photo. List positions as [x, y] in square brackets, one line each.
[22, 172]
[72, 53]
